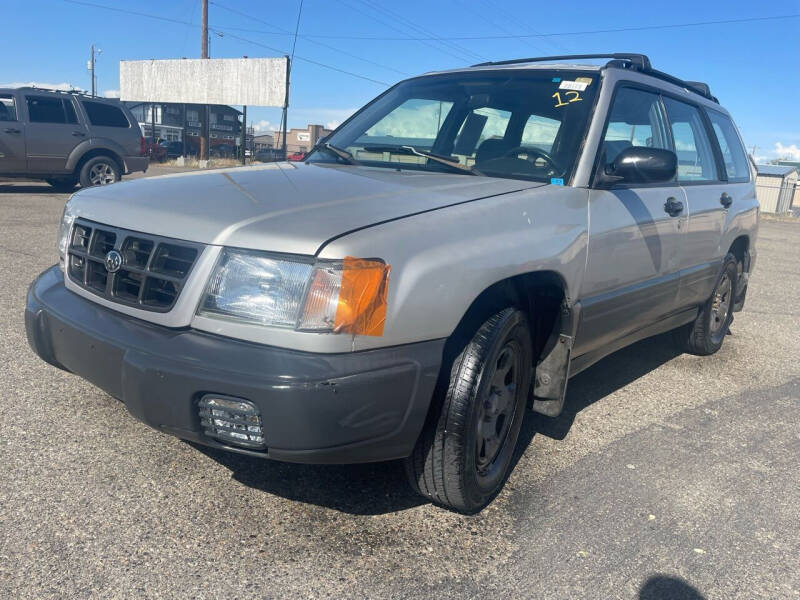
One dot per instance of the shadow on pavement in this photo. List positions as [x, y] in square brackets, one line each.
[28, 187]
[363, 489]
[604, 378]
[379, 488]
[664, 587]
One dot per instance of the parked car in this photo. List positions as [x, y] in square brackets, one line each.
[174, 149]
[379, 301]
[155, 149]
[223, 151]
[296, 156]
[66, 138]
[268, 155]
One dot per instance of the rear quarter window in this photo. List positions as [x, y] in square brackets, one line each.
[105, 115]
[733, 154]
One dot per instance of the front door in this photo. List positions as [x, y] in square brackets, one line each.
[52, 132]
[636, 234]
[12, 136]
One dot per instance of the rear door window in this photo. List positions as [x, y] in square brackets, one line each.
[45, 109]
[695, 157]
[8, 108]
[69, 111]
[733, 154]
[105, 115]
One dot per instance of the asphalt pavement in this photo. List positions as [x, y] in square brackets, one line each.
[667, 476]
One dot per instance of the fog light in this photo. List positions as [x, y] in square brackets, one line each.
[232, 420]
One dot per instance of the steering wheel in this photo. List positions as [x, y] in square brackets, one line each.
[538, 152]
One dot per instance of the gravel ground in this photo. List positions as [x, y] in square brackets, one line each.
[668, 476]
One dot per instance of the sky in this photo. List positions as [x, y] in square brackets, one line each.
[349, 51]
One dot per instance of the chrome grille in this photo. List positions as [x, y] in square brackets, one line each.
[153, 270]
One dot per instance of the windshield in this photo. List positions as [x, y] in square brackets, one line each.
[516, 124]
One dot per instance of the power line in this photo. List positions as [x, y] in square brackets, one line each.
[281, 31]
[546, 35]
[526, 25]
[226, 34]
[413, 26]
[297, 28]
[426, 41]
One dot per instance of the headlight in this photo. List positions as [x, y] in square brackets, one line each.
[67, 219]
[347, 296]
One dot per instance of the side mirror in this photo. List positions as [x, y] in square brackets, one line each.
[640, 164]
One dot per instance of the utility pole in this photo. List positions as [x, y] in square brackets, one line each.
[244, 133]
[91, 69]
[286, 105]
[204, 137]
[91, 66]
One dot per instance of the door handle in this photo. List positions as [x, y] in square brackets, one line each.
[725, 200]
[11, 130]
[673, 207]
[78, 134]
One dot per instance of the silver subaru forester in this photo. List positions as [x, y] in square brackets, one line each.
[446, 259]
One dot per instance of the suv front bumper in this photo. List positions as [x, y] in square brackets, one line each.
[316, 408]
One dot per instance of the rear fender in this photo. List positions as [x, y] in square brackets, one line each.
[104, 145]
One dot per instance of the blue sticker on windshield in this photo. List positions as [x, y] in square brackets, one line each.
[556, 79]
[556, 181]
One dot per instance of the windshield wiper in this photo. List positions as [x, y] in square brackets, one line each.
[450, 162]
[341, 153]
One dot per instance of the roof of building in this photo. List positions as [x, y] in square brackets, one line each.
[776, 170]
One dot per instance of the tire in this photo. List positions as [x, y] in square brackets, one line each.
[100, 170]
[462, 457]
[63, 185]
[705, 335]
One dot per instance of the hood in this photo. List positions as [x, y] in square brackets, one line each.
[278, 207]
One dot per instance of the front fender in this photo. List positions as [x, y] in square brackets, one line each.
[442, 260]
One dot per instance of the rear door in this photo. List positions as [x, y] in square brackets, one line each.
[635, 245]
[53, 131]
[108, 120]
[703, 184]
[734, 159]
[12, 136]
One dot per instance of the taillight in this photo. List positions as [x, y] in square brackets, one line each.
[143, 150]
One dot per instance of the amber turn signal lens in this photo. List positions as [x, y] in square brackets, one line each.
[362, 300]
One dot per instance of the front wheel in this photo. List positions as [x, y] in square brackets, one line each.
[463, 455]
[100, 170]
[705, 335]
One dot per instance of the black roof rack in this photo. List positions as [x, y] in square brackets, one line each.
[76, 91]
[639, 61]
[619, 60]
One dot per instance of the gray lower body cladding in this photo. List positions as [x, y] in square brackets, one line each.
[316, 408]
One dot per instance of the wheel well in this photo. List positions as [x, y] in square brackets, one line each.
[99, 152]
[739, 248]
[541, 295]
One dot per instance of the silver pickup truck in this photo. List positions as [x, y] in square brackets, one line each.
[446, 259]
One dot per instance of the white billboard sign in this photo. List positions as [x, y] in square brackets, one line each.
[239, 81]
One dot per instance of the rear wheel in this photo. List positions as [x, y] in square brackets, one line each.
[705, 335]
[463, 455]
[100, 170]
